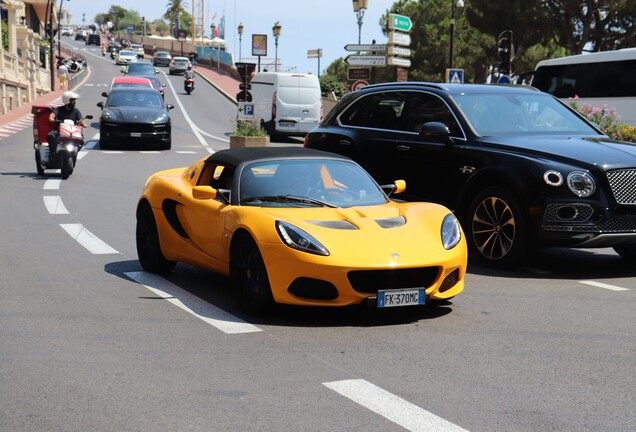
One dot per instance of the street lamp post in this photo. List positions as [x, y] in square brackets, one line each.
[276, 32]
[59, 32]
[218, 52]
[459, 4]
[240, 33]
[359, 6]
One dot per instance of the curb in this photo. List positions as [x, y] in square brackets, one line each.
[223, 92]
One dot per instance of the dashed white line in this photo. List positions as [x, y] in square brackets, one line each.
[87, 239]
[222, 320]
[54, 205]
[52, 184]
[603, 285]
[409, 416]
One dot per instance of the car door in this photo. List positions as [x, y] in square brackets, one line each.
[430, 167]
[204, 220]
[375, 123]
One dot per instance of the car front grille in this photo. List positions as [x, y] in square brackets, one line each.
[624, 224]
[370, 281]
[623, 184]
[140, 127]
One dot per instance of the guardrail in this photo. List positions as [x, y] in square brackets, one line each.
[76, 78]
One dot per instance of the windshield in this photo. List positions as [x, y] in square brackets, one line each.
[130, 97]
[503, 114]
[330, 183]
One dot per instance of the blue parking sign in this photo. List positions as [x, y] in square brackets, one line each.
[249, 109]
[245, 111]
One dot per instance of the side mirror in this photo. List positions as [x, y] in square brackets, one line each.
[169, 107]
[156, 71]
[90, 117]
[203, 192]
[398, 186]
[436, 131]
[163, 84]
[100, 104]
[105, 94]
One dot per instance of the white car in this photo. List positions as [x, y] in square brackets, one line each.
[138, 49]
[124, 57]
[178, 65]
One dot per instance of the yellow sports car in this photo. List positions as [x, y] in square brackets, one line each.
[300, 226]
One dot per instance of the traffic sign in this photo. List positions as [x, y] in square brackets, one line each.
[504, 79]
[455, 76]
[399, 51]
[358, 73]
[366, 60]
[400, 22]
[314, 53]
[399, 61]
[366, 47]
[358, 85]
[396, 38]
[245, 111]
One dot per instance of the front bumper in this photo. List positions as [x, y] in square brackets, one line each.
[136, 132]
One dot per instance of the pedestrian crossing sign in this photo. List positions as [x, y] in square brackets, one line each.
[455, 76]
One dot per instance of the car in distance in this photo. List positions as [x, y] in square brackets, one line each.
[93, 39]
[178, 65]
[138, 49]
[298, 226]
[518, 167]
[142, 68]
[157, 84]
[124, 57]
[161, 58]
[133, 116]
[80, 35]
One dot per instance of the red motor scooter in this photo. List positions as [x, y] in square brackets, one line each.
[69, 144]
[188, 85]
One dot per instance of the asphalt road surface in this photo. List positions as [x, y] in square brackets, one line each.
[91, 342]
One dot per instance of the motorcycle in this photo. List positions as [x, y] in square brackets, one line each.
[71, 141]
[188, 85]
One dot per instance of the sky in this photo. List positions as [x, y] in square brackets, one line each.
[306, 25]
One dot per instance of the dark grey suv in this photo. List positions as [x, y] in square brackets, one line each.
[518, 167]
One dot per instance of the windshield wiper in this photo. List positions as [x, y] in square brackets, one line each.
[288, 198]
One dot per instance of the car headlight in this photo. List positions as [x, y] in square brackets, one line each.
[298, 239]
[109, 116]
[451, 232]
[161, 118]
[581, 183]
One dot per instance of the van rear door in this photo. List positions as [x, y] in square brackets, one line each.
[298, 104]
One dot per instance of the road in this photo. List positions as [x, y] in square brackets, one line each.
[91, 342]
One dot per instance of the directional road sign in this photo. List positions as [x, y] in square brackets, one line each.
[359, 73]
[396, 38]
[314, 53]
[399, 51]
[400, 23]
[399, 61]
[366, 47]
[366, 60]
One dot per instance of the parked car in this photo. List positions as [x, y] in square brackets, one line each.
[161, 58]
[124, 57]
[178, 65]
[142, 68]
[138, 49]
[134, 116]
[296, 226]
[517, 166]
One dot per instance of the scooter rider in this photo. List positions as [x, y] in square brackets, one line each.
[189, 74]
[61, 113]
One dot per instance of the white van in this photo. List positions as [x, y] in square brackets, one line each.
[286, 103]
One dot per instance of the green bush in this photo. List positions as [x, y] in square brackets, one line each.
[248, 128]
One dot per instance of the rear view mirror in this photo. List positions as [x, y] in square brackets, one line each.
[435, 131]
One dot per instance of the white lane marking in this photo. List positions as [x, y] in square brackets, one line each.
[603, 285]
[194, 128]
[149, 152]
[185, 152]
[112, 152]
[52, 184]
[88, 239]
[81, 154]
[210, 150]
[192, 304]
[213, 136]
[54, 205]
[409, 416]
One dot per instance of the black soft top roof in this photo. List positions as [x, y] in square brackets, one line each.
[235, 157]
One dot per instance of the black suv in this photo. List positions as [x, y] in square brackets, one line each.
[518, 167]
[93, 39]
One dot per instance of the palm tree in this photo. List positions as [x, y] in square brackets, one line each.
[173, 8]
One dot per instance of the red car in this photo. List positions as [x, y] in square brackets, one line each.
[130, 81]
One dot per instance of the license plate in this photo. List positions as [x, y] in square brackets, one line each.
[286, 124]
[135, 134]
[404, 297]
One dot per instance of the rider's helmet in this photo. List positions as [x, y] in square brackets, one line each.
[189, 66]
[67, 96]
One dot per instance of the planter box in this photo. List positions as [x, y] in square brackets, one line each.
[248, 141]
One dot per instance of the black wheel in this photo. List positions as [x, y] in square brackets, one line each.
[38, 163]
[496, 228]
[249, 276]
[627, 251]
[67, 166]
[148, 246]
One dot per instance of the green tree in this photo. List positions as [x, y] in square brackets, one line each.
[160, 26]
[173, 9]
[116, 14]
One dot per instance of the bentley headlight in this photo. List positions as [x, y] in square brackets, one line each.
[581, 183]
[451, 232]
[298, 239]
